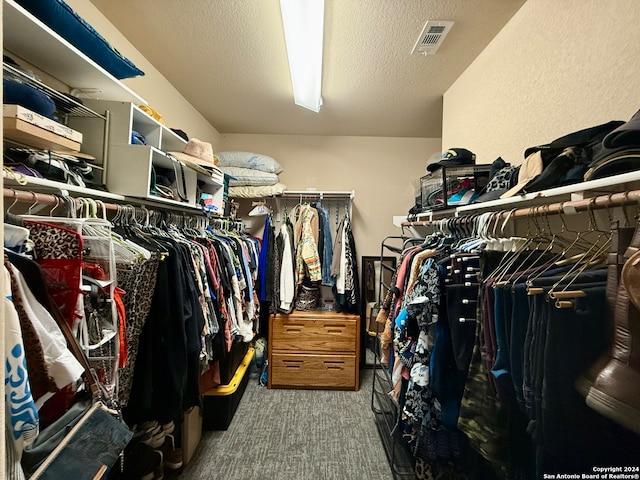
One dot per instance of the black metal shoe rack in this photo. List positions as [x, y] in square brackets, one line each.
[386, 411]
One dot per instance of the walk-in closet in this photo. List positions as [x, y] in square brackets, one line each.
[320, 239]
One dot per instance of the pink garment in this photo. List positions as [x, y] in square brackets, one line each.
[402, 272]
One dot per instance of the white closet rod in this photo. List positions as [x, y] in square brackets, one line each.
[34, 198]
[593, 203]
[346, 194]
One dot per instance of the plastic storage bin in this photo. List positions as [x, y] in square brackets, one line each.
[220, 403]
[230, 364]
[453, 186]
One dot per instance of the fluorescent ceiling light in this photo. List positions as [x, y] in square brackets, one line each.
[303, 22]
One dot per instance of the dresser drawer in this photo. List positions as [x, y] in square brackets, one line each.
[305, 334]
[312, 371]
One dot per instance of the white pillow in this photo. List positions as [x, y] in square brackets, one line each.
[254, 161]
[247, 176]
[257, 191]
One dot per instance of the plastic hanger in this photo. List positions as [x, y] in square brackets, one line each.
[259, 209]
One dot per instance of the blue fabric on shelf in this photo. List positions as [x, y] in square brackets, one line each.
[17, 93]
[62, 19]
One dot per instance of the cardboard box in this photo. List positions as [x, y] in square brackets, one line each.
[372, 314]
[22, 113]
[31, 135]
[191, 433]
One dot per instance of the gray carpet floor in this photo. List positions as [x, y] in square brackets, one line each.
[295, 435]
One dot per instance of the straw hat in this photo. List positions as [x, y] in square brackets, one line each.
[196, 154]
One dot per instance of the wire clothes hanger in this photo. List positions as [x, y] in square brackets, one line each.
[568, 246]
[541, 237]
[559, 291]
[514, 249]
[540, 263]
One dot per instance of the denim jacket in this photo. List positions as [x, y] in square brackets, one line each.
[327, 250]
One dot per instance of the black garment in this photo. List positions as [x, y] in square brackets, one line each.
[483, 417]
[350, 300]
[33, 275]
[192, 311]
[161, 368]
[274, 261]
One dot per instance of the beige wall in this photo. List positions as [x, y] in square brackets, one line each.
[153, 87]
[556, 67]
[382, 171]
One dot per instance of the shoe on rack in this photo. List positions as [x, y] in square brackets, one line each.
[168, 428]
[144, 428]
[154, 440]
[148, 425]
[172, 455]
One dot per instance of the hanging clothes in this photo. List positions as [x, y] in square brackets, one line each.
[267, 239]
[325, 245]
[306, 234]
[345, 269]
[45, 340]
[482, 363]
[137, 279]
[287, 271]
[153, 307]
[305, 255]
[21, 414]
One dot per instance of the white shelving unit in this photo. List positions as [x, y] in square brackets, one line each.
[125, 168]
[577, 191]
[130, 165]
[74, 114]
[29, 38]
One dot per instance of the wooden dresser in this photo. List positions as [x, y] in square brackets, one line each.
[319, 349]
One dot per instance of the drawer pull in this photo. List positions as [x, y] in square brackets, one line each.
[294, 330]
[293, 363]
[334, 365]
[334, 330]
[335, 326]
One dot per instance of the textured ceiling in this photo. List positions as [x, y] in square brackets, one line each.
[228, 59]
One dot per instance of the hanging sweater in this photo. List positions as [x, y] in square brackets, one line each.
[307, 258]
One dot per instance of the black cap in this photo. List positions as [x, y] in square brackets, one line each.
[181, 134]
[454, 157]
[626, 135]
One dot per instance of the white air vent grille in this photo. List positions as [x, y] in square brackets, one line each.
[431, 38]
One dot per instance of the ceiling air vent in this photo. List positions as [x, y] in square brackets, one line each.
[432, 37]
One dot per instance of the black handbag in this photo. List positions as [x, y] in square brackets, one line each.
[86, 441]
